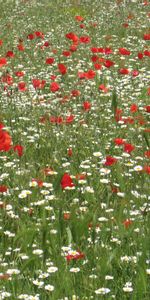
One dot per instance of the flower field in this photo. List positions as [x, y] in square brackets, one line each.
[75, 150]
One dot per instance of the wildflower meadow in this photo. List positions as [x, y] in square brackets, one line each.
[75, 150]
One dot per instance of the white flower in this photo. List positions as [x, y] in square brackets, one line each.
[97, 154]
[102, 291]
[13, 271]
[38, 283]
[75, 270]
[49, 288]
[148, 271]
[52, 269]
[37, 251]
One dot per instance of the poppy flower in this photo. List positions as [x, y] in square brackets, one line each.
[69, 119]
[85, 39]
[147, 108]
[20, 47]
[147, 169]
[10, 54]
[66, 53]
[62, 69]
[50, 61]
[75, 93]
[86, 105]
[128, 147]
[103, 88]
[5, 141]
[19, 73]
[30, 36]
[3, 61]
[124, 71]
[124, 51]
[90, 74]
[39, 34]
[146, 36]
[97, 66]
[38, 84]
[18, 149]
[73, 48]
[118, 141]
[127, 223]
[69, 152]
[79, 18]
[1, 42]
[72, 36]
[140, 55]
[22, 86]
[110, 161]
[54, 87]
[7, 79]
[38, 181]
[108, 63]
[135, 73]
[147, 53]
[147, 153]
[66, 181]
[3, 188]
[133, 108]
[75, 256]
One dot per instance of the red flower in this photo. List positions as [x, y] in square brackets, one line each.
[69, 119]
[75, 93]
[19, 73]
[103, 88]
[20, 47]
[62, 69]
[125, 25]
[50, 61]
[72, 36]
[147, 53]
[18, 149]
[1, 42]
[140, 55]
[22, 86]
[128, 147]
[97, 66]
[66, 53]
[133, 108]
[124, 71]
[135, 73]
[30, 36]
[146, 36]
[124, 51]
[3, 62]
[118, 141]
[38, 84]
[110, 161]
[7, 79]
[86, 105]
[10, 54]
[90, 74]
[147, 169]
[77, 255]
[79, 18]
[3, 188]
[85, 39]
[54, 87]
[127, 223]
[69, 152]
[66, 181]
[147, 108]
[39, 34]
[5, 141]
[147, 153]
[108, 63]
[38, 181]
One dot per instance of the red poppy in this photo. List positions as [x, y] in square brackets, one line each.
[108, 63]
[124, 51]
[39, 34]
[10, 54]
[70, 152]
[76, 256]
[18, 149]
[125, 25]
[110, 161]
[135, 73]
[62, 69]
[66, 181]
[69, 119]
[3, 61]
[146, 36]
[86, 105]
[38, 181]
[147, 53]
[50, 61]
[30, 36]
[140, 55]
[66, 53]
[124, 71]
[20, 47]
[22, 86]
[85, 39]
[75, 93]
[147, 169]
[97, 66]
[147, 108]
[127, 223]
[103, 88]
[147, 153]
[19, 73]
[54, 87]
[3, 188]
[72, 36]
[133, 108]
[7, 79]
[128, 147]
[1, 42]
[5, 141]
[90, 74]
[79, 18]
[38, 84]
[119, 141]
